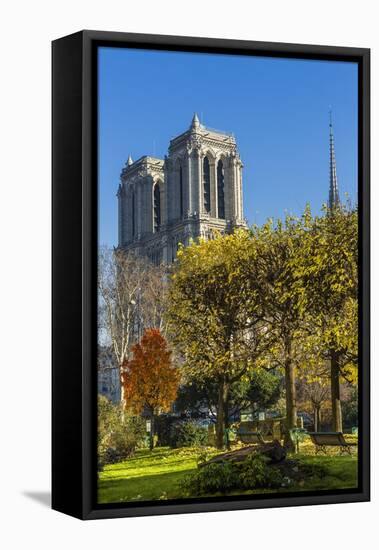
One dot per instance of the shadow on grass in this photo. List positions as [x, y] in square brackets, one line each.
[149, 487]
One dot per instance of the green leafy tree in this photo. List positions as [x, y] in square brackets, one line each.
[259, 389]
[282, 297]
[330, 273]
[215, 317]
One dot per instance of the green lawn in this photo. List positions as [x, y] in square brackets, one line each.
[156, 475]
[147, 476]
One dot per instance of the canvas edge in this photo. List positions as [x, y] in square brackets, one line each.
[85, 508]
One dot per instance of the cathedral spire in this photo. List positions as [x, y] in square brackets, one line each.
[334, 198]
[195, 124]
[129, 161]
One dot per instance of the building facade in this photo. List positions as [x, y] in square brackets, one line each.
[108, 375]
[194, 192]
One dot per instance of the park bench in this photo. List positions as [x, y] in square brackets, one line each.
[250, 437]
[322, 440]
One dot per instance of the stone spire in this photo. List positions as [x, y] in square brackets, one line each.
[195, 124]
[129, 161]
[334, 198]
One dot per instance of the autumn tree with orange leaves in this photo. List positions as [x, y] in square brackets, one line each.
[150, 381]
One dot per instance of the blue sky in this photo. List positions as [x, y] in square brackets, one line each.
[276, 108]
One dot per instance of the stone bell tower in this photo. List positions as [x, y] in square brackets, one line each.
[194, 192]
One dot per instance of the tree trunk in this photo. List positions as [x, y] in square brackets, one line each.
[291, 410]
[151, 440]
[122, 391]
[226, 417]
[316, 414]
[122, 395]
[222, 419]
[335, 393]
[273, 451]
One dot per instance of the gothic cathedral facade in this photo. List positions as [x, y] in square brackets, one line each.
[194, 192]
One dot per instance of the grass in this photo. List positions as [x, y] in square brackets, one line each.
[147, 476]
[156, 475]
[341, 472]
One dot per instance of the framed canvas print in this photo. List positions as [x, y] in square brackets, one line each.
[210, 274]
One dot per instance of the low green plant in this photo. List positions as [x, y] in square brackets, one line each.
[119, 433]
[163, 429]
[256, 473]
[188, 434]
[217, 477]
[221, 477]
[202, 458]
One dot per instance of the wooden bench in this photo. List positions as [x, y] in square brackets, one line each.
[250, 437]
[322, 440]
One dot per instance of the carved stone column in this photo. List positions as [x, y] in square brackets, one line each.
[236, 186]
[240, 187]
[131, 232]
[200, 181]
[194, 150]
[138, 212]
[232, 181]
[169, 190]
[187, 186]
[195, 180]
[165, 251]
[120, 199]
[163, 186]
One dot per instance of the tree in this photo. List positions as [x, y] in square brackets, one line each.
[314, 390]
[214, 317]
[330, 273]
[120, 279]
[350, 408]
[281, 293]
[259, 389]
[132, 297]
[150, 381]
[118, 434]
[154, 297]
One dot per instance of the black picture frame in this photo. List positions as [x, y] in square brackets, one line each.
[74, 332]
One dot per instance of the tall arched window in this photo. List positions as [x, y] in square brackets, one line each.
[181, 205]
[207, 185]
[220, 190]
[157, 207]
[133, 213]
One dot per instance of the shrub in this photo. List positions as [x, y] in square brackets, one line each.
[188, 434]
[119, 433]
[255, 473]
[163, 429]
[350, 410]
[218, 477]
[221, 477]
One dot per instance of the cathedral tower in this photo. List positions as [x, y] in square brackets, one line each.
[195, 191]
